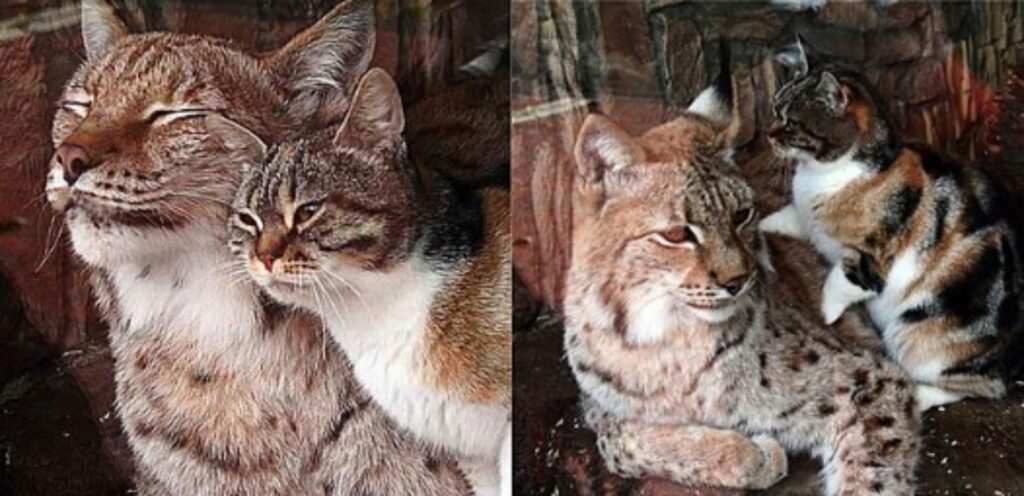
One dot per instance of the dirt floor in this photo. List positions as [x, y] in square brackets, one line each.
[970, 448]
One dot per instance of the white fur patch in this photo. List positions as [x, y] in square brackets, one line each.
[839, 293]
[649, 323]
[928, 397]
[813, 183]
[710, 105]
[379, 319]
[785, 221]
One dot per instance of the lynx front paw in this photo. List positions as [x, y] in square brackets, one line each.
[775, 466]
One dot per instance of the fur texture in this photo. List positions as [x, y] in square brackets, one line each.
[696, 342]
[220, 391]
[919, 236]
[414, 285]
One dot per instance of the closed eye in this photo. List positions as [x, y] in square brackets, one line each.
[160, 116]
[79, 108]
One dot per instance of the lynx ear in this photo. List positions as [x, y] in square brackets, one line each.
[322, 64]
[794, 57]
[241, 144]
[101, 27]
[603, 147]
[831, 91]
[376, 110]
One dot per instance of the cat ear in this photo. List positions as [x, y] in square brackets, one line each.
[101, 27]
[322, 64]
[794, 57]
[603, 147]
[376, 110]
[832, 93]
[241, 144]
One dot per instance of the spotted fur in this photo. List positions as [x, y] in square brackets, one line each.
[923, 238]
[220, 391]
[695, 340]
[413, 283]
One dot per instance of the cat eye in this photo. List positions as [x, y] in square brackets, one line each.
[742, 217]
[248, 221]
[677, 236]
[306, 212]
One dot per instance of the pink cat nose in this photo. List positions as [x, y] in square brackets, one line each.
[268, 261]
[74, 160]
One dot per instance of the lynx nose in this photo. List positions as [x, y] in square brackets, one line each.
[734, 285]
[74, 160]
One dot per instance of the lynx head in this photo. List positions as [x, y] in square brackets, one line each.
[151, 130]
[661, 237]
[324, 212]
[823, 114]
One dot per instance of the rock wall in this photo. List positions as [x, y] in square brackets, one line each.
[938, 65]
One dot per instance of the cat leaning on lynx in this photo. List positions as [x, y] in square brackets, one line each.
[220, 392]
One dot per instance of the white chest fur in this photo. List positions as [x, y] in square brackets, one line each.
[383, 331]
[171, 293]
[813, 183]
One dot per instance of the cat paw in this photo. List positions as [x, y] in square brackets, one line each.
[927, 397]
[776, 465]
[831, 311]
[783, 222]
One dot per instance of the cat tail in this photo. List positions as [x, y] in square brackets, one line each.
[715, 102]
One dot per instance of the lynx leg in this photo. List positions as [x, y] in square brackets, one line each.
[839, 293]
[689, 454]
[785, 221]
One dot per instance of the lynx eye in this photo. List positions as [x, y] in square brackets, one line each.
[79, 108]
[248, 221]
[677, 236]
[161, 115]
[306, 212]
[742, 217]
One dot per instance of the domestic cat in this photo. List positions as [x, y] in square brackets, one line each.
[413, 284]
[695, 339]
[921, 237]
[220, 391]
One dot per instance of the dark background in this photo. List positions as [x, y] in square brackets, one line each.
[58, 432]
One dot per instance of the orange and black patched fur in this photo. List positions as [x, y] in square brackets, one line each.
[922, 238]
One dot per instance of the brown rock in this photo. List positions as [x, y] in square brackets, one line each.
[894, 45]
[923, 81]
[858, 16]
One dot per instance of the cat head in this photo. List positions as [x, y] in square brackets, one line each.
[663, 234]
[824, 113]
[342, 205]
[151, 130]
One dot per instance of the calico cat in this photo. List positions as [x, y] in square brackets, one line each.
[921, 237]
[220, 391]
[414, 285]
[687, 330]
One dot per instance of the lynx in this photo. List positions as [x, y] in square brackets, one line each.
[689, 334]
[922, 238]
[220, 391]
[414, 284]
